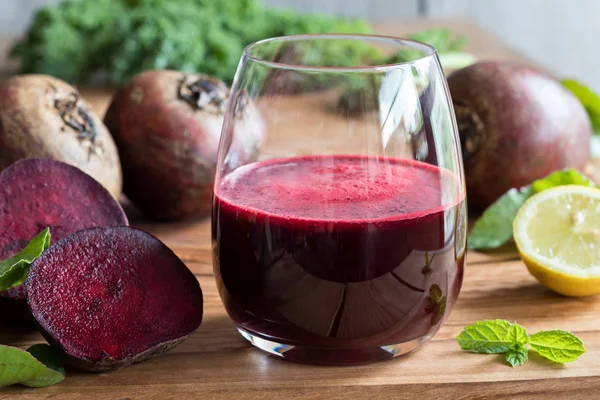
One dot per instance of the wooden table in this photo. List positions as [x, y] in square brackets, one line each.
[215, 362]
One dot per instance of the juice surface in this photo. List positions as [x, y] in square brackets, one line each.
[339, 188]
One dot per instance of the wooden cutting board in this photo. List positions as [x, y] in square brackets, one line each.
[215, 362]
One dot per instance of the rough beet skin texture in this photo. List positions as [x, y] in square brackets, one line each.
[516, 124]
[36, 194]
[167, 126]
[44, 117]
[110, 297]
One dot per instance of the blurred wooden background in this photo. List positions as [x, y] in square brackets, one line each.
[560, 35]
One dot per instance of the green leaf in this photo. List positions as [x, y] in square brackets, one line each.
[560, 178]
[494, 228]
[489, 336]
[589, 100]
[517, 355]
[13, 271]
[39, 366]
[558, 346]
[76, 40]
[518, 335]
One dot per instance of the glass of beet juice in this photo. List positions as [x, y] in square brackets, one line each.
[340, 237]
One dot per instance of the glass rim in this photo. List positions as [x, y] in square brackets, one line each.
[428, 51]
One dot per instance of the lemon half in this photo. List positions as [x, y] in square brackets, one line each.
[557, 233]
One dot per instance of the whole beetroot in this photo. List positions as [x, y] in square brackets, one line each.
[516, 124]
[44, 117]
[167, 126]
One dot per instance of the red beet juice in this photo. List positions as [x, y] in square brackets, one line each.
[338, 259]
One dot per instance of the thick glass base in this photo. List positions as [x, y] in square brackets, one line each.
[325, 356]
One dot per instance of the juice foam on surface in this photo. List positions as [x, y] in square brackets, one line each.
[339, 188]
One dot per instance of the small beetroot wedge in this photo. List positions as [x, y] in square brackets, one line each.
[39, 193]
[110, 297]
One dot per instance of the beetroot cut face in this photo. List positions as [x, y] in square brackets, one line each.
[37, 193]
[110, 297]
[40, 193]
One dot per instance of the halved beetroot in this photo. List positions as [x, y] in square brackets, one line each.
[110, 297]
[40, 193]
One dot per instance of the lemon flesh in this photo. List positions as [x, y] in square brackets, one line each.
[557, 233]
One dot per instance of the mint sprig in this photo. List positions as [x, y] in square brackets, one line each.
[502, 337]
[13, 271]
[495, 227]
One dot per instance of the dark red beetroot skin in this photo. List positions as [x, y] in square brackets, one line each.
[35, 194]
[110, 297]
[516, 124]
[167, 126]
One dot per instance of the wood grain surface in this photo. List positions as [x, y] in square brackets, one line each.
[216, 362]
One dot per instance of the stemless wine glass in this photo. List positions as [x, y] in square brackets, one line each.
[340, 237]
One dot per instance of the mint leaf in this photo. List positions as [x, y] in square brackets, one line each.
[494, 228]
[561, 178]
[13, 271]
[517, 355]
[558, 346]
[37, 367]
[490, 336]
[589, 100]
[518, 335]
